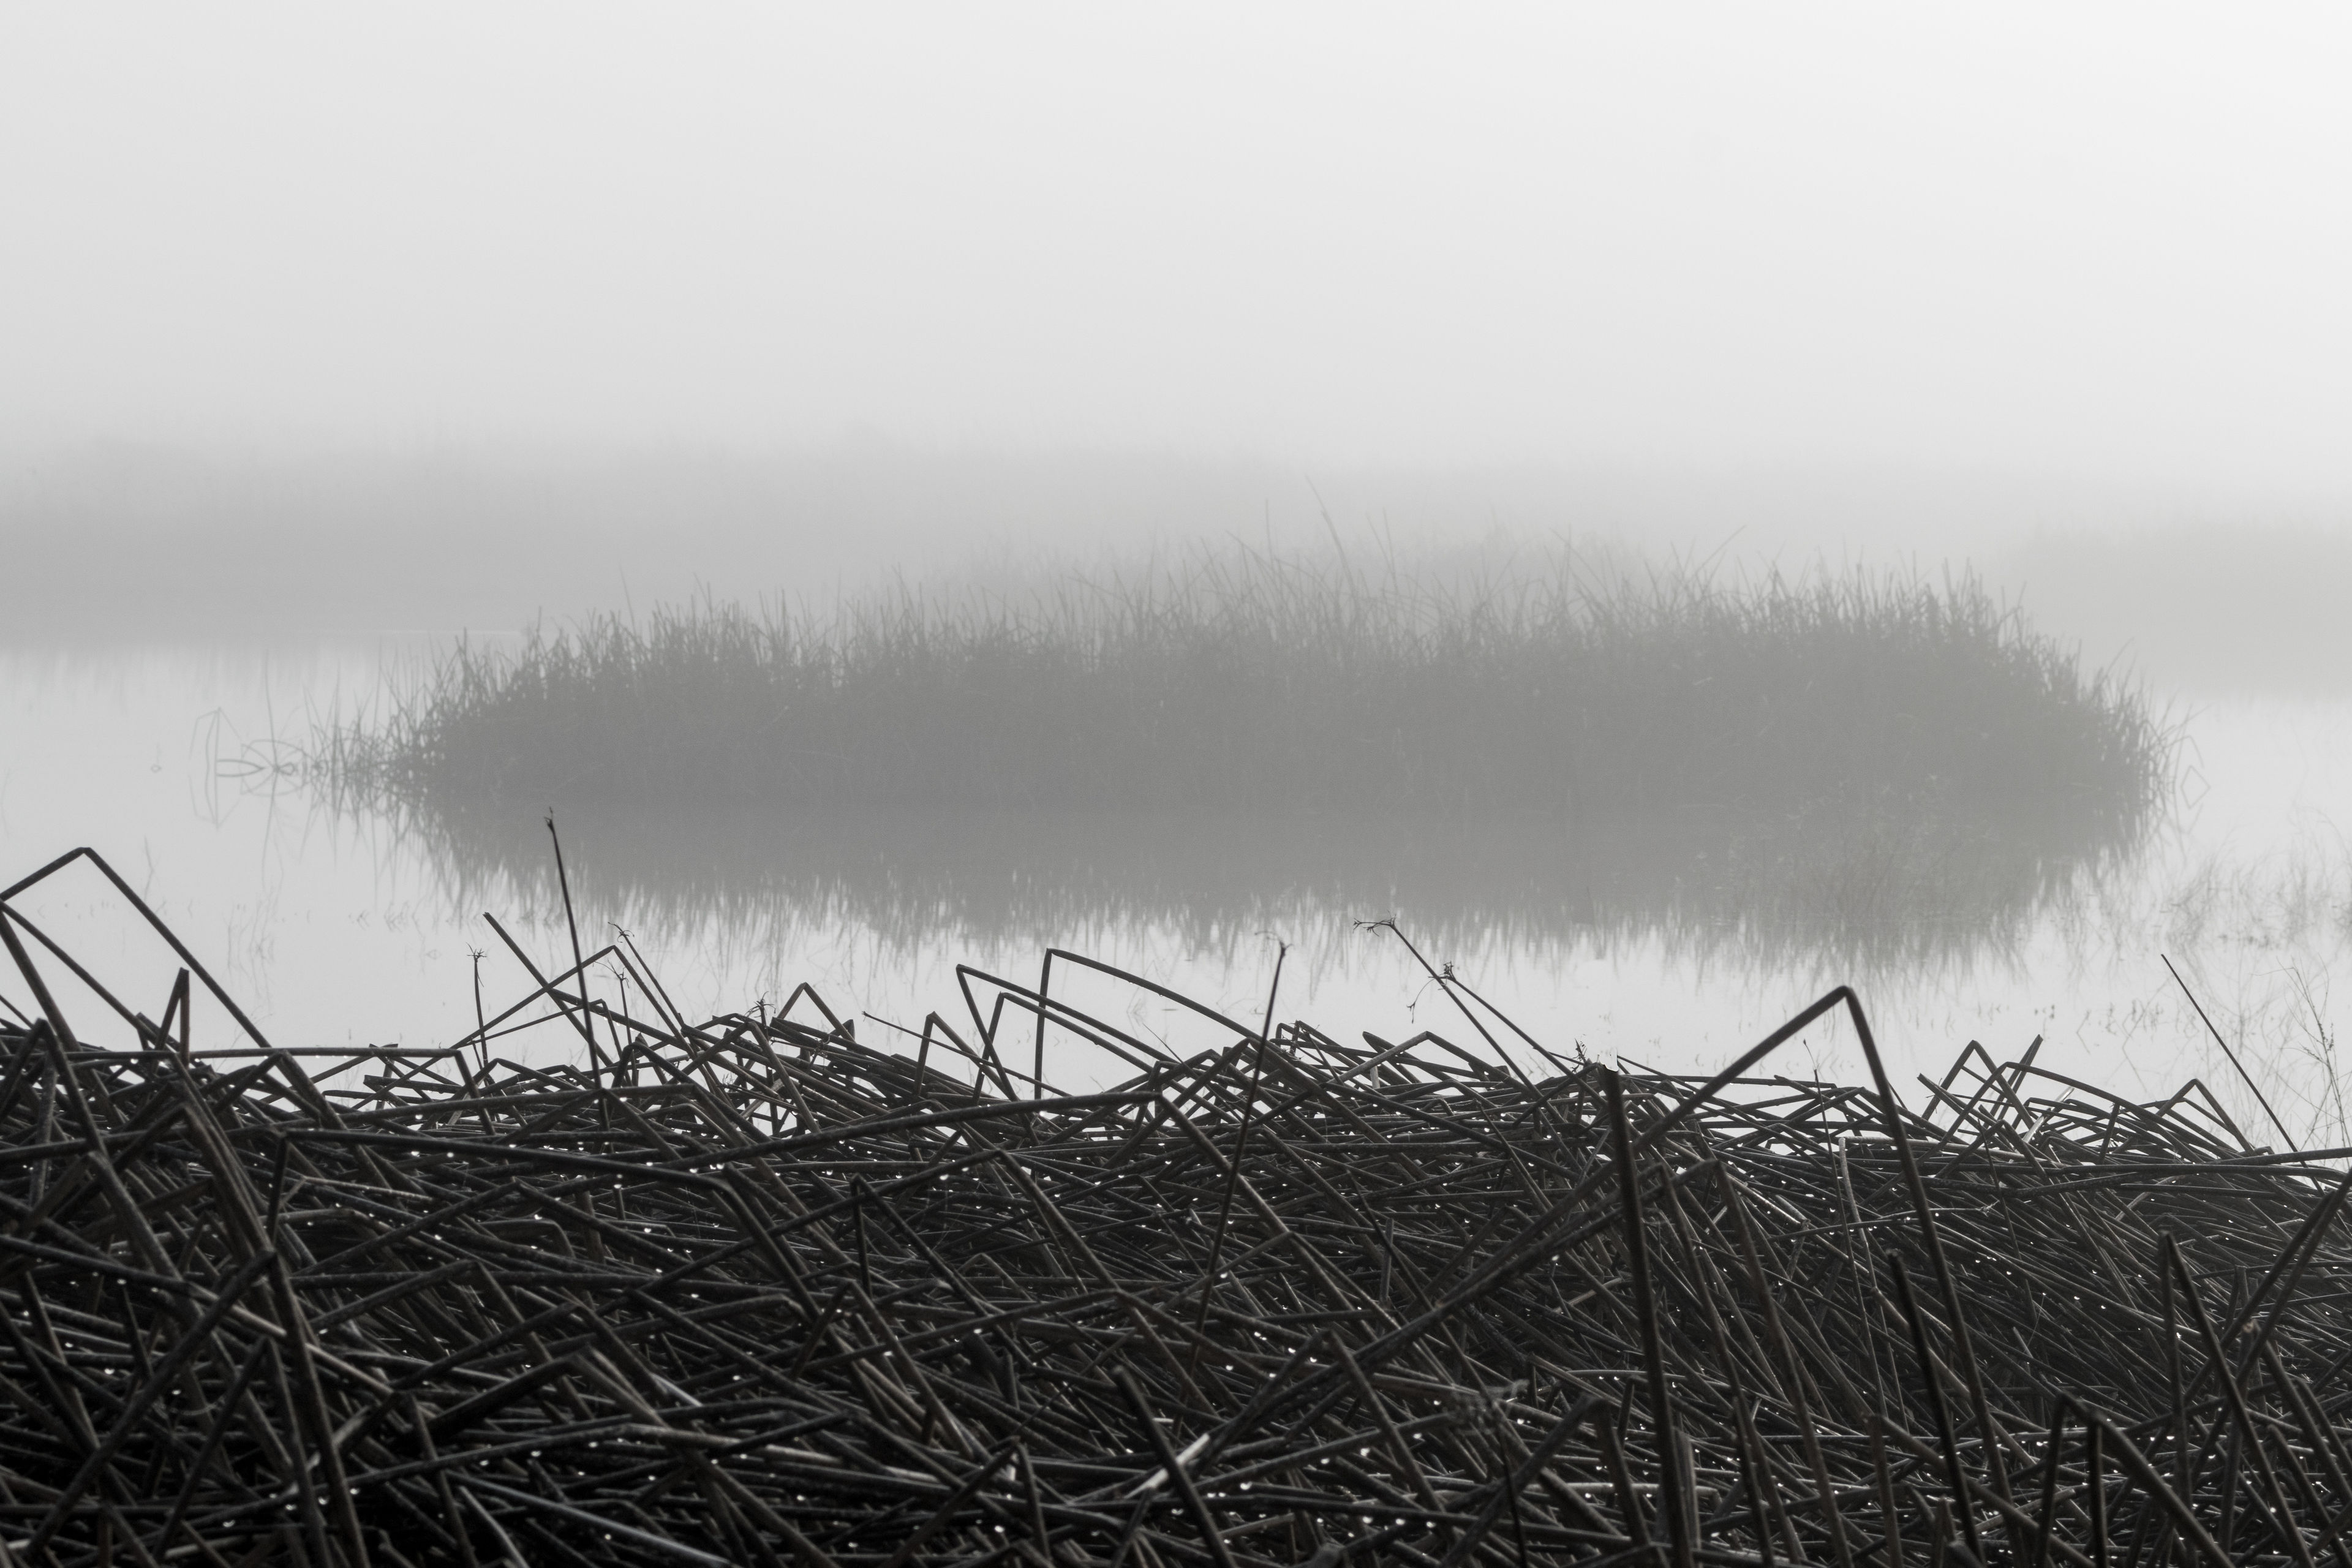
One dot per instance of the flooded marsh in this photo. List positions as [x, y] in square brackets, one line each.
[1668, 934]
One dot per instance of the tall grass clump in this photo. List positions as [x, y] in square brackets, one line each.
[1249, 683]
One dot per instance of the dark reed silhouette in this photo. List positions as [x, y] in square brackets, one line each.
[599, 1284]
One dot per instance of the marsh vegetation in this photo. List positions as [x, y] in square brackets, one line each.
[1251, 683]
[1882, 768]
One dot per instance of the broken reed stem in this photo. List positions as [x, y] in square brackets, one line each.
[750, 1291]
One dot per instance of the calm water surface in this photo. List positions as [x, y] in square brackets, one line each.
[1672, 944]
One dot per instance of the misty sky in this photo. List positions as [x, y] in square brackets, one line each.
[2109, 240]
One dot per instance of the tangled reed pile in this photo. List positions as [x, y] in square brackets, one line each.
[751, 1290]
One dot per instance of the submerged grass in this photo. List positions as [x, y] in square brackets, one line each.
[1248, 683]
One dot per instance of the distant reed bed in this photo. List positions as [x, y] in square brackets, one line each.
[1252, 683]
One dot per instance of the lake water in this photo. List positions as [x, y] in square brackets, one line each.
[1670, 944]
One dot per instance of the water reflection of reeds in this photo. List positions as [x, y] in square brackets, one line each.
[1866, 895]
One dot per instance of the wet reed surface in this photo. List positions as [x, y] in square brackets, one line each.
[749, 1290]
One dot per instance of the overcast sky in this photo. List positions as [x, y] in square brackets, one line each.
[2114, 241]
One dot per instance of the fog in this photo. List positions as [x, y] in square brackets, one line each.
[326, 337]
[2087, 241]
[648, 651]
[449, 318]
[2196, 596]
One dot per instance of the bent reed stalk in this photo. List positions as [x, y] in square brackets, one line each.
[1254, 683]
[757, 1289]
